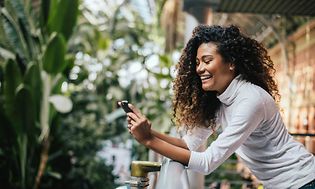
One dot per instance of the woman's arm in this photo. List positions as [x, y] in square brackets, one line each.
[171, 151]
[168, 146]
[169, 139]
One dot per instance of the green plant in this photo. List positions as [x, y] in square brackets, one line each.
[33, 58]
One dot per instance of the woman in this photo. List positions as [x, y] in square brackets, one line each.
[225, 78]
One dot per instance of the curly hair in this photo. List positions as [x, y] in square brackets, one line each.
[195, 107]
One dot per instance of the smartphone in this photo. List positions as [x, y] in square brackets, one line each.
[124, 105]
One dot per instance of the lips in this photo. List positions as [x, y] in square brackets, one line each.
[205, 77]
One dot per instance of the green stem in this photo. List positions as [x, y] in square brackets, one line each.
[44, 121]
[22, 143]
[44, 114]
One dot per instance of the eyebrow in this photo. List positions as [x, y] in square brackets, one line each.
[204, 56]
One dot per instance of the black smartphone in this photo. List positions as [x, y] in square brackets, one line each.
[125, 107]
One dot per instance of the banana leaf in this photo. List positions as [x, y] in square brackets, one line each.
[44, 12]
[54, 56]
[24, 25]
[12, 79]
[24, 110]
[63, 16]
[32, 79]
[14, 34]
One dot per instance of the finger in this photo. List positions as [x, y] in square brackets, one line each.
[133, 123]
[128, 119]
[132, 116]
[135, 110]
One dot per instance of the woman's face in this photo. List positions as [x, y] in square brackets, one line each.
[215, 74]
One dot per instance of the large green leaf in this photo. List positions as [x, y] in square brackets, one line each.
[24, 110]
[5, 124]
[24, 25]
[32, 79]
[54, 56]
[63, 16]
[44, 12]
[52, 9]
[12, 79]
[13, 34]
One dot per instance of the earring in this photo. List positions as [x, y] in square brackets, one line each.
[231, 68]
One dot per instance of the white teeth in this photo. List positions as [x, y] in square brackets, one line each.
[205, 77]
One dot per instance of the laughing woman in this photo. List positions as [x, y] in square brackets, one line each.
[225, 79]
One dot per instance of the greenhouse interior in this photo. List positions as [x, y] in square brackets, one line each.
[65, 66]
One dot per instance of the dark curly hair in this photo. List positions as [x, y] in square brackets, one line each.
[195, 107]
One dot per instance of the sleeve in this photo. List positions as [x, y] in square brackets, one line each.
[246, 117]
[196, 137]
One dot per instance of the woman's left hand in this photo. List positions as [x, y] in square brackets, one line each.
[139, 126]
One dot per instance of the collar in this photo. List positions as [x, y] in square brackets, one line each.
[228, 96]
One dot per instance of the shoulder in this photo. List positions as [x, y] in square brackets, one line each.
[251, 96]
[254, 93]
[256, 97]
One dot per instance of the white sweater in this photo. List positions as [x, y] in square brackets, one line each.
[253, 128]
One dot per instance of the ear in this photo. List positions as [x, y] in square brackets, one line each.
[231, 66]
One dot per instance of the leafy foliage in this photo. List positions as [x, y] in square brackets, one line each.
[87, 63]
[74, 152]
[132, 64]
[25, 91]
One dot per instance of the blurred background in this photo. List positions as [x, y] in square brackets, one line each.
[64, 64]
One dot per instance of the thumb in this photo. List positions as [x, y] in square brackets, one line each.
[135, 110]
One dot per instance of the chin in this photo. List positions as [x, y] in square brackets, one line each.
[207, 88]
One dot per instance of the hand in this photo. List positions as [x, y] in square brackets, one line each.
[139, 126]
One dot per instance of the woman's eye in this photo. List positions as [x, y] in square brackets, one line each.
[207, 61]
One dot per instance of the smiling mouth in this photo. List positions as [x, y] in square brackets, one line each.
[205, 77]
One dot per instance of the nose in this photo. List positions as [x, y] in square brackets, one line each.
[200, 68]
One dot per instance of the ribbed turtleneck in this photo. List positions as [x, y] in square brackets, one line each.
[228, 96]
[252, 127]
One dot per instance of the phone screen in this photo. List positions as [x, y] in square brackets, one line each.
[124, 105]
